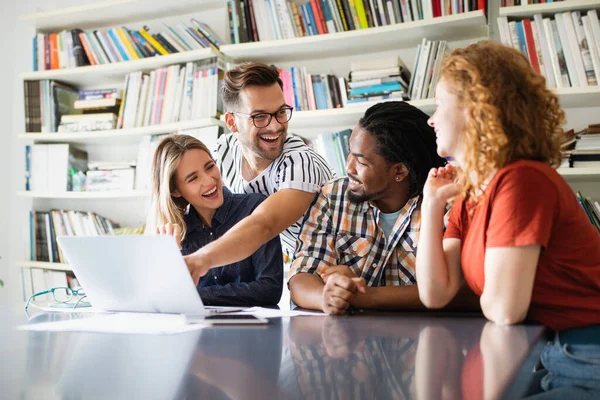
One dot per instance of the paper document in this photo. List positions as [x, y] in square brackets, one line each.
[136, 323]
[262, 312]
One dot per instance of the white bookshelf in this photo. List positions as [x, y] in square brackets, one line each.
[579, 96]
[529, 10]
[107, 195]
[313, 122]
[590, 172]
[114, 12]
[120, 136]
[92, 74]
[469, 25]
[44, 265]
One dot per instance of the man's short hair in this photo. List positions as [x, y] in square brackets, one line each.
[403, 136]
[246, 74]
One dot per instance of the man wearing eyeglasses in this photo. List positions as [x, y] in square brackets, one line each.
[259, 157]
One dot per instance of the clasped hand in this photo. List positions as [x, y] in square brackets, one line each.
[341, 285]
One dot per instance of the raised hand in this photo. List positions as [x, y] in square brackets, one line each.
[170, 229]
[441, 185]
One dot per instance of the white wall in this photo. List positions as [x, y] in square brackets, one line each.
[8, 174]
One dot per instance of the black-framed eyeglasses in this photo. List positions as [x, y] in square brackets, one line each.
[60, 295]
[263, 119]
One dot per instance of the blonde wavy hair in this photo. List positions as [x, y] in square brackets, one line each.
[164, 207]
[512, 115]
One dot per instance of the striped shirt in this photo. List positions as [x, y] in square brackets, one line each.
[298, 167]
[338, 232]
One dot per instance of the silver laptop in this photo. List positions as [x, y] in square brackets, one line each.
[137, 273]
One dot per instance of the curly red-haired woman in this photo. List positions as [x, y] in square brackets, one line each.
[516, 233]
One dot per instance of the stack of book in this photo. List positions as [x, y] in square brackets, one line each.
[565, 50]
[110, 176]
[76, 48]
[259, 20]
[582, 149]
[591, 208]
[46, 102]
[99, 107]
[426, 71]
[334, 147]
[377, 80]
[172, 94]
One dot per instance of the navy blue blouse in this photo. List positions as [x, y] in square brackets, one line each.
[256, 280]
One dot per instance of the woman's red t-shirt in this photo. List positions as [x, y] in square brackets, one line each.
[525, 203]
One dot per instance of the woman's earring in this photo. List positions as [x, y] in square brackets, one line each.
[397, 179]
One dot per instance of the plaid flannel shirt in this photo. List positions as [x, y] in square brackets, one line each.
[338, 232]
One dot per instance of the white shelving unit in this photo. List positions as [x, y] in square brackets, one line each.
[454, 27]
[114, 12]
[91, 74]
[579, 97]
[529, 10]
[310, 122]
[120, 136]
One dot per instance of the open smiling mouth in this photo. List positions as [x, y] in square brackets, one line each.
[211, 193]
[270, 138]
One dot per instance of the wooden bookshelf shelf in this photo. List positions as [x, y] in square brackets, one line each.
[313, 122]
[44, 265]
[591, 172]
[546, 9]
[115, 12]
[365, 41]
[579, 96]
[92, 74]
[120, 136]
[133, 194]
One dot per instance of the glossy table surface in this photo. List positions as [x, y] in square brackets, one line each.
[363, 356]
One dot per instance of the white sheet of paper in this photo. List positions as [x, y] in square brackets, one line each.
[262, 312]
[135, 323]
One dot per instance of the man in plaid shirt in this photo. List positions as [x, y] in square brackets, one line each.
[358, 243]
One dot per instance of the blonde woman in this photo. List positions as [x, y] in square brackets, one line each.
[516, 234]
[190, 202]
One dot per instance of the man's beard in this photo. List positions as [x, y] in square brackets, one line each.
[265, 154]
[358, 198]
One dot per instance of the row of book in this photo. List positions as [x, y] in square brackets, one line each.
[591, 208]
[45, 102]
[566, 49]
[260, 20]
[426, 72]
[581, 149]
[46, 226]
[76, 48]
[172, 94]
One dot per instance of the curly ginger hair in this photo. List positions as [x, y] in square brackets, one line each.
[512, 115]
